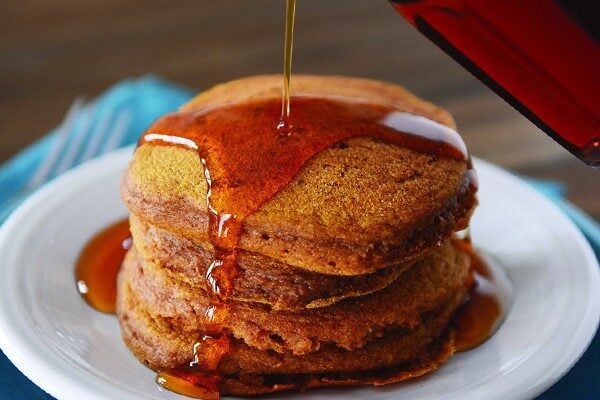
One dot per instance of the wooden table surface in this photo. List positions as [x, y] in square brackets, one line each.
[51, 52]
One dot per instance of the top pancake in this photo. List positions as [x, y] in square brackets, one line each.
[352, 209]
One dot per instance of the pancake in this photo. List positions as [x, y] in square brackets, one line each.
[261, 279]
[269, 86]
[322, 221]
[345, 275]
[348, 324]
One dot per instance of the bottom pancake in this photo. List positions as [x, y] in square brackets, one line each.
[435, 354]
[399, 355]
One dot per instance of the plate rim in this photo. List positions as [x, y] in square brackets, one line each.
[589, 324]
[51, 380]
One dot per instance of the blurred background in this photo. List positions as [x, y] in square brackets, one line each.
[52, 52]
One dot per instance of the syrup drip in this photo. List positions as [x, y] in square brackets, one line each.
[98, 264]
[189, 383]
[473, 183]
[482, 313]
[198, 379]
[290, 13]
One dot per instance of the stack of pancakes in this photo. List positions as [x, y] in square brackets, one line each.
[347, 276]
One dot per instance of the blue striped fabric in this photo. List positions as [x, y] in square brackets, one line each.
[149, 97]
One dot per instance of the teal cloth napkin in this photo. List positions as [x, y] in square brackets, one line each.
[144, 100]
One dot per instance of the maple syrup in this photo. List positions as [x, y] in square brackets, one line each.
[290, 15]
[98, 264]
[482, 313]
[190, 384]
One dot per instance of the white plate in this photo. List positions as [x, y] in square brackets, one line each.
[75, 353]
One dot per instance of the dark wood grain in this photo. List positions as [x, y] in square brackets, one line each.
[51, 52]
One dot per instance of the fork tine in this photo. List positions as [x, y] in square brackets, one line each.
[119, 129]
[78, 137]
[98, 135]
[62, 136]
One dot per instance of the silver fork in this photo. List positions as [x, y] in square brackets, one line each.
[75, 143]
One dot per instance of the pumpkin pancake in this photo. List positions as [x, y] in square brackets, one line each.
[356, 207]
[261, 279]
